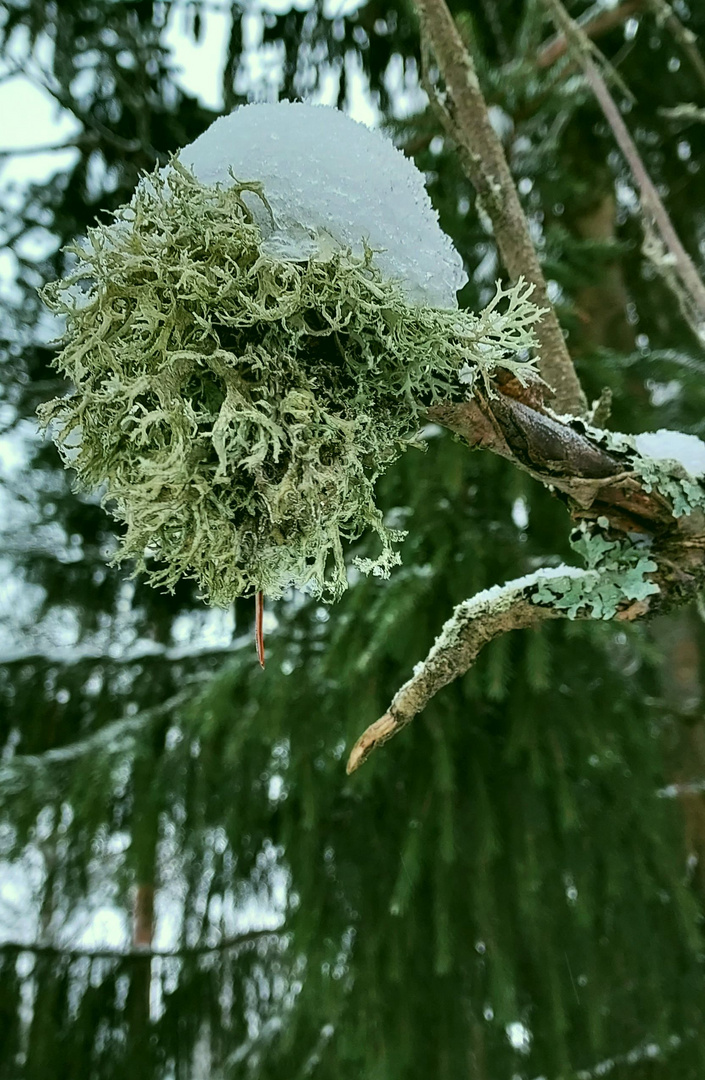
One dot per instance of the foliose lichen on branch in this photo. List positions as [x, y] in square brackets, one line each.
[616, 571]
[234, 408]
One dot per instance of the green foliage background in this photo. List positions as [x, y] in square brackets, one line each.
[508, 860]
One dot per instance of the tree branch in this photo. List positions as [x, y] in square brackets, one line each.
[472, 625]
[249, 937]
[599, 24]
[464, 114]
[603, 490]
[675, 261]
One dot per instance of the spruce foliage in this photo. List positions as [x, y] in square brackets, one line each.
[510, 891]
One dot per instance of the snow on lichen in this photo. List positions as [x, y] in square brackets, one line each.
[662, 445]
[235, 407]
[670, 462]
[332, 183]
[616, 571]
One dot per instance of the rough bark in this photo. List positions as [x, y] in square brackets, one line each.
[463, 111]
[593, 483]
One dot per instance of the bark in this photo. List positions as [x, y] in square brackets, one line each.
[593, 483]
[673, 262]
[463, 111]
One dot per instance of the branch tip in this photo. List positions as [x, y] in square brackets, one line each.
[371, 738]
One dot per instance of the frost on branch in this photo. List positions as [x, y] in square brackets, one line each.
[235, 404]
[617, 574]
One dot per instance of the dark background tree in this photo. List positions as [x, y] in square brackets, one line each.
[515, 887]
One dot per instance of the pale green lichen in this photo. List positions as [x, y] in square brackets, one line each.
[668, 477]
[236, 409]
[616, 571]
[683, 491]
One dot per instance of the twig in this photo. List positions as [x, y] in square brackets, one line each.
[686, 38]
[95, 127]
[675, 260]
[687, 112]
[463, 112]
[49, 148]
[599, 24]
[249, 937]
[472, 625]
[259, 631]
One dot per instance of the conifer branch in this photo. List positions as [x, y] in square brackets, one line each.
[249, 937]
[662, 243]
[594, 26]
[143, 652]
[118, 737]
[464, 114]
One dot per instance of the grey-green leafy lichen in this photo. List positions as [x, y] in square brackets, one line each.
[683, 491]
[236, 409]
[666, 475]
[616, 571]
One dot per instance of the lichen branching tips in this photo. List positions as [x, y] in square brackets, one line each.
[236, 408]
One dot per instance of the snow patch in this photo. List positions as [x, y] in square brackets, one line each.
[687, 450]
[332, 182]
[516, 585]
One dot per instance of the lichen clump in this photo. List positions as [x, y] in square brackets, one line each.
[236, 409]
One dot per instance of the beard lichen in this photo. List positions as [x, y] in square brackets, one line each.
[236, 409]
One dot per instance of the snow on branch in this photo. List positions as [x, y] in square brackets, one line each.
[617, 574]
[472, 625]
[638, 503]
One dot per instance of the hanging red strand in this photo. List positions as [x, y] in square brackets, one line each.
[259, 632]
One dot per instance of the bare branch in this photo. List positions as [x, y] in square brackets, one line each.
[598, 24]
[463, 112]
[686, 38]
[674, 263]
[472, 625]
[249, 937]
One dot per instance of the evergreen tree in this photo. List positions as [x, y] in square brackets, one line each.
[510, 889]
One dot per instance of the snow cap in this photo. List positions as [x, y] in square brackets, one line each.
[332, 182]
